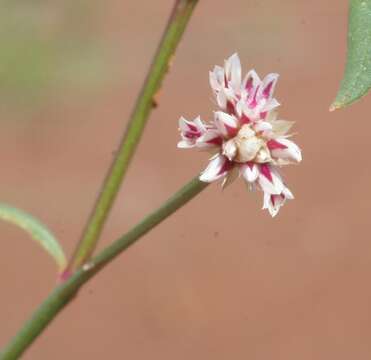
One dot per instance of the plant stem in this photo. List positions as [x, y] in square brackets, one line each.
[146, 101]
[61, 296]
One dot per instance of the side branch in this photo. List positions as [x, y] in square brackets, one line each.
[61, 296]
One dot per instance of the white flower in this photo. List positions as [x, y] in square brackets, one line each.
[190, 131]
[284, 149]
[251, 98]
[226, 82]
[250, 171]
[218, 168]
[273, 202]
[245, 134]
[226, 124]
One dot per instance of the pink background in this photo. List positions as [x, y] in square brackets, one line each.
[220, 279]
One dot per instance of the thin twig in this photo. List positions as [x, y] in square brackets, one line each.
[61, 296]
[147, 99]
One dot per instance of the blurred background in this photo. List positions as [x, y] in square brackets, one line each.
[220, 279]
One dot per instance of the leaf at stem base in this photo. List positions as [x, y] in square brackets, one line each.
[36, 230]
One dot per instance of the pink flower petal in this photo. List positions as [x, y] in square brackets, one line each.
[269, 180]
[218, 168]
[183, 144]
[251, 81]
[270, 105]
[230, 108]
[290, 151]
[250, 172]
[216, 78]
[274, 144]
[226, 124]
[273, 202]
[210, 138]
[261, 126]
[265, 170]
[244, 120]
[233, 71]
[268, 85]
[190, 131]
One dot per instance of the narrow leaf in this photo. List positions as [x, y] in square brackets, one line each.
[37, 231]
[357, 77]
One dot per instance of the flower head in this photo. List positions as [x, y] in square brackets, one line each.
[245, 136]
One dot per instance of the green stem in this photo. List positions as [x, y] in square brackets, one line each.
[61, 296]
[146, 101]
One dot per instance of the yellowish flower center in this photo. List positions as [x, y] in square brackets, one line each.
[247, 145]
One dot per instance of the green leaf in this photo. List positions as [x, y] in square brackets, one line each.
[357, 77]
[37, 231]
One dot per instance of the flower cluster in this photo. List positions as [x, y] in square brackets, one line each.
[245, 136]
